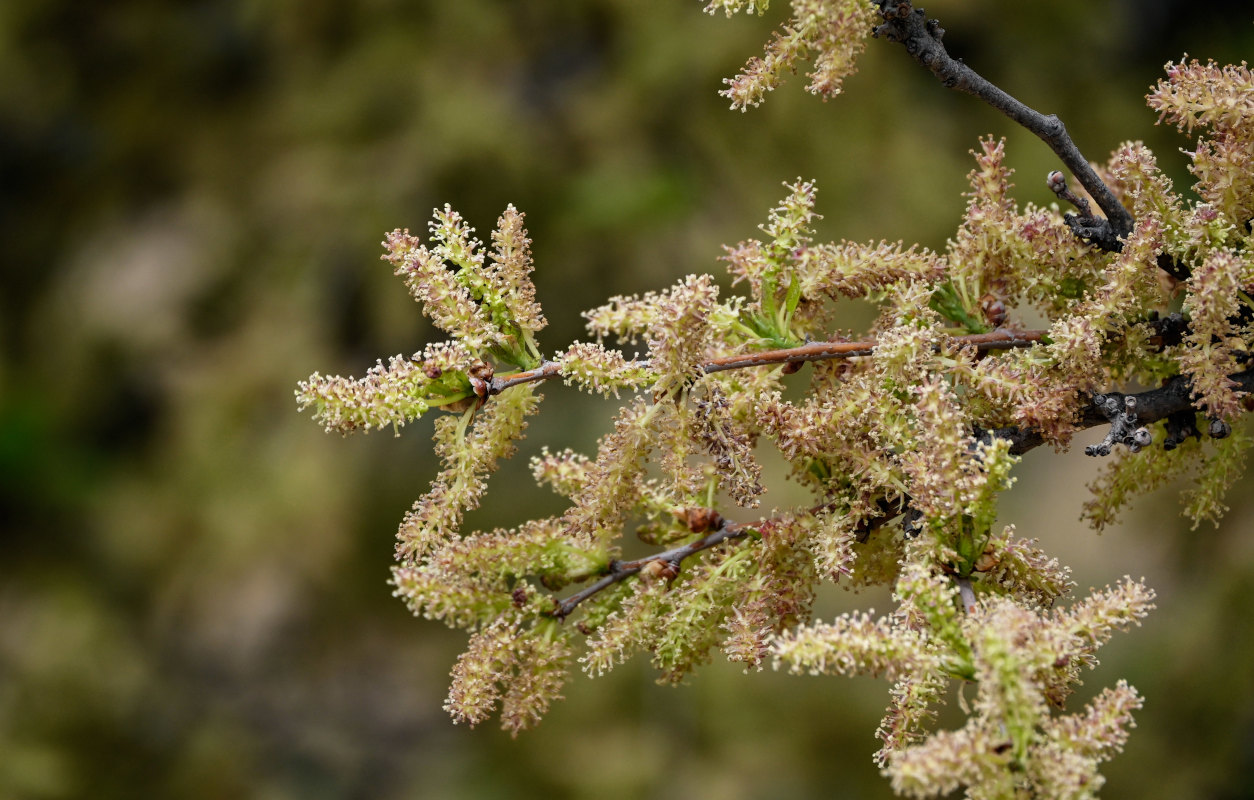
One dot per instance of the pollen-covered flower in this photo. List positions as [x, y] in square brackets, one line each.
[1220, 99]
[1205, 94]
[392, 394]
[598, 369]
[523, 669]
[1214, 343]
[680, 337]
[469, 454]
[832, 31]
[488, 307]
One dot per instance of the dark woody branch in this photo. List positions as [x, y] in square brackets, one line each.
[922, 39]
[1172, 399]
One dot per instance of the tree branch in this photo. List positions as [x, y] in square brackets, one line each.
[1173, 397]
[922, 39]
[548, 369]
[1000, 339]
[726, 531]
[621, 570]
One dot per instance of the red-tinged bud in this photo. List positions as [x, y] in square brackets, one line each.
[700, 519]
[994, 310]
[659, 570]
[519, 596]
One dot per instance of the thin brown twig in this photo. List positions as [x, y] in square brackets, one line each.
[620, 570]
[725, 532]
[547, 369]
[1000, 339]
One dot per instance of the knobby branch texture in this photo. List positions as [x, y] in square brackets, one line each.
[904, 436]
[922, 39]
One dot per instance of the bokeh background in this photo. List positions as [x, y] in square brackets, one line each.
[193, 597]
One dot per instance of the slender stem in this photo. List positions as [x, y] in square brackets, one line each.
[621, 570]
[546, 370]
[725, 532]
[999, 339]
[922, 39]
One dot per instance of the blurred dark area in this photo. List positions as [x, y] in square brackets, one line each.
[193, 595]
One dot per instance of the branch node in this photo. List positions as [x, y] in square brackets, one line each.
[659, 570]
[1057, 183]
[1120, 411]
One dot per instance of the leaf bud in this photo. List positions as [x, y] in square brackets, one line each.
[994, 310]
[700, 519]
[481, 370]
[659, 570]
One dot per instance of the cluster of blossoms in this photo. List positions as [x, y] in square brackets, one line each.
[905, 438]
[829, 33]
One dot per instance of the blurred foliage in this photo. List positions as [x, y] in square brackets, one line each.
[191, 194]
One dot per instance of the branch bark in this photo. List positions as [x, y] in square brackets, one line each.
[1000, 339]
[922, 39]
[621, 570]
[1173, 397]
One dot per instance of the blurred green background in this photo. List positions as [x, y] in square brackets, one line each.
[193, 598]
